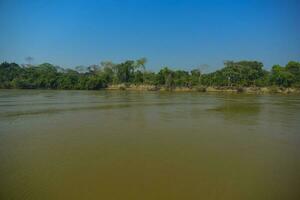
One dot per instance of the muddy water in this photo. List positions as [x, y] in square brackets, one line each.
[148, 145]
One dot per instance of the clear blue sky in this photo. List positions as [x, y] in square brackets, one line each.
[175, 33]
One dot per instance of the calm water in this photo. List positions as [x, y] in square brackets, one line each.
[140, 146]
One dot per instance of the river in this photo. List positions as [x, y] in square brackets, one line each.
[148, 145]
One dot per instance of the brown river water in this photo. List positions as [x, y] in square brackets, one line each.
[119, 145]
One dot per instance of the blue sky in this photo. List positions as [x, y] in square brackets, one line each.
[176, 33]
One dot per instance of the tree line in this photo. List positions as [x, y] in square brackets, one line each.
[233, 74]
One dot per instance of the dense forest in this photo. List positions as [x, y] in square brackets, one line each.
[233, 74]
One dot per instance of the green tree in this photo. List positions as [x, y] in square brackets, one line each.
[281, 77]
[181, 78]
[294, 68]
[141, 63]
[195, 77]
[9, 72]
[125, 71]
[165, 77]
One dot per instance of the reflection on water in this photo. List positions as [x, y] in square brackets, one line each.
[244, 109]
[148, 145]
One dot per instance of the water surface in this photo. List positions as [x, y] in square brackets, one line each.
[148, 145]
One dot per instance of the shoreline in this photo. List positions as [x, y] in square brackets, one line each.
[199, 89]
[209, 89]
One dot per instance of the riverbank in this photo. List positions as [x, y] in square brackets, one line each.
[249, 90]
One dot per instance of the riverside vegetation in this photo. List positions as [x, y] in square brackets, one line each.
[234, 76]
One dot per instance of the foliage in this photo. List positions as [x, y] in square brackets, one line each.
[281, 76]
[234, 74]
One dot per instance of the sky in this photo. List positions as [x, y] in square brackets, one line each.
[181, 34]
